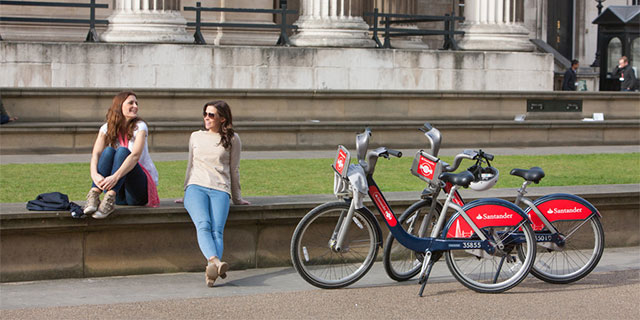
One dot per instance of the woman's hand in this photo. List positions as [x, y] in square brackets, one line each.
[108, 183]
[242, 202]
[97, 179]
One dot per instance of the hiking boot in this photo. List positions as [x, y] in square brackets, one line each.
[107, 206]
[221, 266]
[93, 201]
[211, 274]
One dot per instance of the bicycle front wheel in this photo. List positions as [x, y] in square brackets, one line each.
[400, 263]
[493, 273]
[312, 247]
[581, 252]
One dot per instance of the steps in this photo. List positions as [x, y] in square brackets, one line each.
[78, 137]
[67, 120]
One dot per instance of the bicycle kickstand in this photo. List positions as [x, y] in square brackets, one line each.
[427, 264]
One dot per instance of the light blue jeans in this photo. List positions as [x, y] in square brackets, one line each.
[208, 209]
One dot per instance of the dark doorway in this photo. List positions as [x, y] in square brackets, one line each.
[560, 26]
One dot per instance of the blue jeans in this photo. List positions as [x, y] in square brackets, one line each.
[208, 209]
[130, 189]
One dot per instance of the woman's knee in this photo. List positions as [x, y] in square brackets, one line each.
[121, 153]
[107, 153]
[204, 226]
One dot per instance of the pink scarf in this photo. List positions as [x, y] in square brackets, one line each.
[152, 191]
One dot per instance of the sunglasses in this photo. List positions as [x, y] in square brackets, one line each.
[210, 115]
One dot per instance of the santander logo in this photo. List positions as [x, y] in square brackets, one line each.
[382, 206]
[487, 216]
[426, 167]
[340, 162]
[566, 210]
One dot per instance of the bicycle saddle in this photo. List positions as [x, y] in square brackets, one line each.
[463, 178]
[534, 174]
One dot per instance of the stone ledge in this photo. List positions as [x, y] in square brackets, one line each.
[136, 240]
[78, 137]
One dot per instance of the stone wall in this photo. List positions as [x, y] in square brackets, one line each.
[83, 65]
[134, 239]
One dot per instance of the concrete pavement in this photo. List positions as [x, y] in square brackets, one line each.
[164, 287]
[311, 154]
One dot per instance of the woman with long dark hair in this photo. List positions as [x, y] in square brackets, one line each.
[120, 163]
[212, 181]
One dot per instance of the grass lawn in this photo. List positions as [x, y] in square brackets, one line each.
[23, 182]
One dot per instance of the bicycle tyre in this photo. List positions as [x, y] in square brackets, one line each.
[313, 257]
[579, 256]
[400, 263]
[476, 269]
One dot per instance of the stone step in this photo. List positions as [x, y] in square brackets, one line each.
[139, 240]
[78, 137]
[89, 105]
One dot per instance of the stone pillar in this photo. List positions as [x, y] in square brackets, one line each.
[494, 25]
[331, 23]
[147, 21]
[401, 7]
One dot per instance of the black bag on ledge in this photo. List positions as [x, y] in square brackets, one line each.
[55, 201]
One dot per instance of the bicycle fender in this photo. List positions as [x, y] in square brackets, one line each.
[484, 213]
[561, 206]
[369, 215]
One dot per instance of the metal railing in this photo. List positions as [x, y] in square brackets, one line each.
[283, 26]
[389, 19]
[92, 36]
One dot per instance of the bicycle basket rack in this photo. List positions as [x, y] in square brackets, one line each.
[426, 167]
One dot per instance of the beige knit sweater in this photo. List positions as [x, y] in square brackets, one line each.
[212, 166]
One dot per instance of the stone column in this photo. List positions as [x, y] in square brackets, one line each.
[147, 21]
[331, 23]
[494, 25]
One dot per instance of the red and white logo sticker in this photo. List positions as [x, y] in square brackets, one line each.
[382, 206]
[340, 161]
[426, 168]
[559, 209]
[484, 216]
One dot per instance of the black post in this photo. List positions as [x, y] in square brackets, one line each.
[92, 36]
[283, 39]
[199, 39]
[447, 37]
[375, 28]
[596, 61]
[387, 25]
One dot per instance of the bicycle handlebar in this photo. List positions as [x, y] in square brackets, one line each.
[395, 153]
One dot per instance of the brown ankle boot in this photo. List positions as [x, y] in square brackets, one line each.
[211, 274]
[221, 266]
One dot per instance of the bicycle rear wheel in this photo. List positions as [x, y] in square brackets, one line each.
[314, 257]
[493, 273]
[400, 263]
[582, 250]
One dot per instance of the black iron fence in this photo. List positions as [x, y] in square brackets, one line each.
[92, 36]
[390, 19]
[283, 25]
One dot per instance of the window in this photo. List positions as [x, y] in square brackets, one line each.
[614, 52]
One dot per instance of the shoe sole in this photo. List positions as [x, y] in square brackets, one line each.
[223, 269]
[100, 215]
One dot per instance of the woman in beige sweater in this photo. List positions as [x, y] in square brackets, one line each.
[212, 180]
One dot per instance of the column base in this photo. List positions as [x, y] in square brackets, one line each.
[332, 32]
[495, 37]
[409, 42]
[168, 26]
